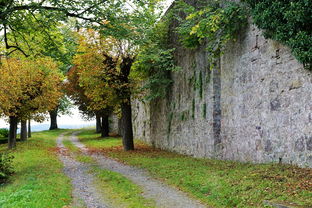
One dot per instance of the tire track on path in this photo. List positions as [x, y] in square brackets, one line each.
[163, 195]
[84, 191]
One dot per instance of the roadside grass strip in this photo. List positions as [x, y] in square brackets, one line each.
[39, 180]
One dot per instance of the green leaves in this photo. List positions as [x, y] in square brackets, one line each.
[6, 168]
[288, 22]
[153, 64]
[213, 23]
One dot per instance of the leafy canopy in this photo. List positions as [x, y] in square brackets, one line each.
[28, 86]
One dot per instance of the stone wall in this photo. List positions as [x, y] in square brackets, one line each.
[266, 103]
[256, 105]
[113, 124]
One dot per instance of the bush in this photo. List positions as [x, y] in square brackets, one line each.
[4, 132]
[6, 168]
[288, 22]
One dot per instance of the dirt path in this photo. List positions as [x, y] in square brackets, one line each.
[163, 195]
[84, 192]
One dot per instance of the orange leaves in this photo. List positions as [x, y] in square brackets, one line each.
[94, 76]
[29, 86]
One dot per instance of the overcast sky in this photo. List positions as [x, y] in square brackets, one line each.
[74, 121]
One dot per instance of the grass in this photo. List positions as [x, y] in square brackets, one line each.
[38, 180]
[115, 188]
[119, 190]
[215, 183]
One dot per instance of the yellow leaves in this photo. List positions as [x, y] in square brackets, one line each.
[194, 29]
[29, 86]
[105, 22]
[215, 22]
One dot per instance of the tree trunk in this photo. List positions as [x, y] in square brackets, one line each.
[53, 118]
[98, 123]
[12, 133]
[127, 135]
[23, 134]
[29, 129]
[105, 126]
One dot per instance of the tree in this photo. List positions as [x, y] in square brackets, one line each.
[15, 15]
[77, 94]
[104, 67]
[113, 49]
[86, 83]
[128, 30]
[63, 108]
[28, 87]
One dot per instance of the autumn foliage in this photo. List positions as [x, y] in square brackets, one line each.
[28, 87]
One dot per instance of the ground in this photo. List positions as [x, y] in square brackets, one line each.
[71, 168]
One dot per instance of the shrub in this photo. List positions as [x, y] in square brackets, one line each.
[4, 132]
[288, 22]
[6, 168]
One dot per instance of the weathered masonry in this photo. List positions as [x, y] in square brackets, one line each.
[256, 105]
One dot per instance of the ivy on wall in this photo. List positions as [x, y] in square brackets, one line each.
[214, 24]
[155, 61]
[289, 22]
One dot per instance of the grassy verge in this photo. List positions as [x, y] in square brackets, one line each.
[119, 190]
[38, 180]
[116, 188]
[216, 183]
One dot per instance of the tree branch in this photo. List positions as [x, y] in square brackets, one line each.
[7, 46]
[49, 8]
[22, 36]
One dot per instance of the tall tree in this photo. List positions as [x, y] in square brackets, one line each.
[28, 87]
[104, 66]
[114, 49]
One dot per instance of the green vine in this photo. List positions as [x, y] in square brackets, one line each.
[194, 81]
[288, 22]
[170, 117]
[154, 63]
[216, 24]
[193, 109]
[200, 85]
[204, 110]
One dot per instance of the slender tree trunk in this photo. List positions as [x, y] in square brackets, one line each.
[29, 129]
[53, 119]
[12, 133]
[98, 123]
[127, 135]
[105, 126]
[23, 134]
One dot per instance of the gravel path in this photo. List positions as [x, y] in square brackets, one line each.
[164, 196]
[84, 192]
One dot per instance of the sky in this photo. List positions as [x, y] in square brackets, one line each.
[72, 121]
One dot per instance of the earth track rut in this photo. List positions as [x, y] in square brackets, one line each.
[163, 195]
